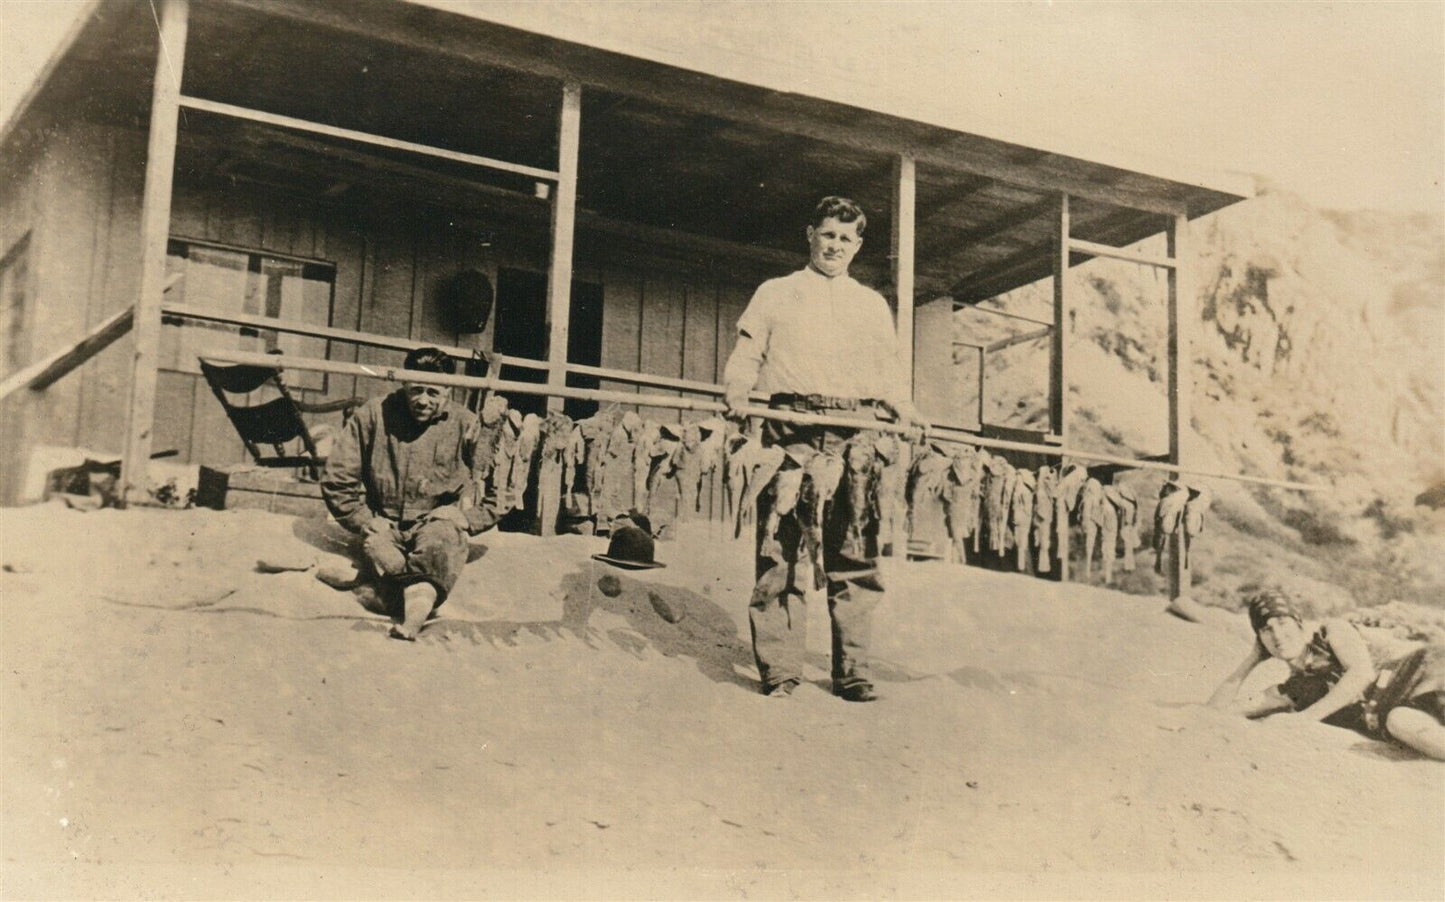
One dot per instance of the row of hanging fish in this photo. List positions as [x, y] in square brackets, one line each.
[951, 500]
[972, 497]
[605, 465]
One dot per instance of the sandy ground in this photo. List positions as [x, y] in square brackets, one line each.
[177, 724]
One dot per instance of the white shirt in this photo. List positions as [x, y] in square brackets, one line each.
[807, 333]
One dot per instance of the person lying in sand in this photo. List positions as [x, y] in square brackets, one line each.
[1333, 678]
[401, 476]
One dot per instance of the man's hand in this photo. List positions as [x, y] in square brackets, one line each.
[452, 514]
[377, 525]
[906, 415]
[734, 400]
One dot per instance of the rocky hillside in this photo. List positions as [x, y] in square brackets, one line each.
[1318, 350]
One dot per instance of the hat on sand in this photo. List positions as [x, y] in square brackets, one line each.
[1269, 603]
[631, 547]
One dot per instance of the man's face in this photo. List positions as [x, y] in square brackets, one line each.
[832, 245]
[424, 401]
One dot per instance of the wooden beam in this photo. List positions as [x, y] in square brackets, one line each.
[373, 340]
[1181, 386]
[331, 131]
[957, 199]
[155, 225]
[997, 312]
[564, 225]
[991, 229]
[1020, 339]
[1118, 253]
[330, 333]
[1058, 374]
[46, 371]
[1030, 264]
[982, 363]
[1058, 371]
[901, 255]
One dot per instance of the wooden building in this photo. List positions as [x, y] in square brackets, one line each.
[341, 163]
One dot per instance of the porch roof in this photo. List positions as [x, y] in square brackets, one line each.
[731, 156]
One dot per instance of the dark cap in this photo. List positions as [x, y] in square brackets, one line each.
[1269, 603]
[630, 547]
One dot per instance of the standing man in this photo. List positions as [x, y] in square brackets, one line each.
[401, 475]
[819, 342]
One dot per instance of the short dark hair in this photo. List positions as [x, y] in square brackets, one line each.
[841, 208]
[430, 360]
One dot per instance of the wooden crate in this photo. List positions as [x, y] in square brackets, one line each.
[258, 488]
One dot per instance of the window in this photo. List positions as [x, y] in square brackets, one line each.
[226, 280]
[14, 293]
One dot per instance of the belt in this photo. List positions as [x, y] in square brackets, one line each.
[820, 402]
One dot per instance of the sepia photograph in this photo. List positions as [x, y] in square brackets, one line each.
[722, 449]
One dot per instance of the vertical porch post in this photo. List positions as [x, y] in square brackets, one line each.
[1181, 316]
[901, 255]
[982, 366]
[564, 221]
[1058, 373]
[155, 230]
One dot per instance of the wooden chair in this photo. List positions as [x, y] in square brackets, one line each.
[274, 423]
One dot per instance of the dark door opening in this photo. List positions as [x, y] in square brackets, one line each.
[584, 343]
[521, 331]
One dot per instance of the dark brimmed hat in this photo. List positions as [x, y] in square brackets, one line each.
[1269, 603]
[630, 547]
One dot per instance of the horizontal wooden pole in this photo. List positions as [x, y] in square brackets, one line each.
[240, 112]
[44, 372]
[1020, 339]
[1080, 246]
[292, 327]
[996, 312]
[491, 383]
[373, 340]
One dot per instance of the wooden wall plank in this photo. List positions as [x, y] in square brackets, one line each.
[733, 299]
[65, 256]
[387, 307]
[107, 378]
[699, 343]
[663, 313]
[621, 324]
[350, 248]
[175, 412]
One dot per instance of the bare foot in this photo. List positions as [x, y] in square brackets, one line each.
[401, 631]
[418, 602]
[1186, 608]
[339, 576]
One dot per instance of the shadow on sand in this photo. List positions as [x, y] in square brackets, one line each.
[672, 621]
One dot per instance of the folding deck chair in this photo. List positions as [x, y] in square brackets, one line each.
[275, 423]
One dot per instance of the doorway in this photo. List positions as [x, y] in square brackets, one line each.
[522, 331]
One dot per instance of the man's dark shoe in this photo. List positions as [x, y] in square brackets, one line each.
[783, 689]
[858, 692]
